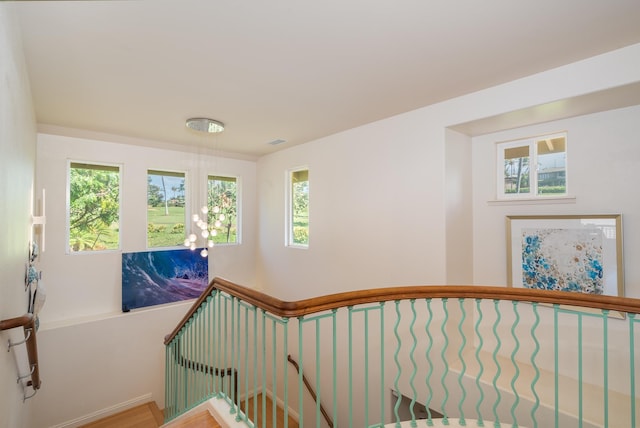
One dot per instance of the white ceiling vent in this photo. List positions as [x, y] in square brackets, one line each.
[276, 142]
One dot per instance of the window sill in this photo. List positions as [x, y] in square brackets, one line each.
[534, 201]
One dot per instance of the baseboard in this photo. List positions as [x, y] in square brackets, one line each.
[103, 413]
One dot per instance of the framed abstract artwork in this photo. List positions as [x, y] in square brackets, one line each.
[156, 277]
[574, 253]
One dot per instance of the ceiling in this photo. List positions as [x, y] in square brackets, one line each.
[290, 70]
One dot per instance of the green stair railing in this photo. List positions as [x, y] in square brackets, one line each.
[437, 356]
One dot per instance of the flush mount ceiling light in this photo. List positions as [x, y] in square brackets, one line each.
[203, 124]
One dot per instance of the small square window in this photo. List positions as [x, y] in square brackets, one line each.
[532, 167]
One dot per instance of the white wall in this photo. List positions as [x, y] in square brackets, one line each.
[94, 356]
[459, 209]
[376, 211]
[603, 157]
[382, 212]
[17, 158]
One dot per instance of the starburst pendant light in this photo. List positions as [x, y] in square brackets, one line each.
[207, 230]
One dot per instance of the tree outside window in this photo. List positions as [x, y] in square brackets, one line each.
[165, 208]
[299, 208]
[222, 201]
[94, 207]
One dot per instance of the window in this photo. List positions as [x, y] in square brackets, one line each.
[533, 167]
[93, 207]
[222, 200]
[165, 208]
[298, 211]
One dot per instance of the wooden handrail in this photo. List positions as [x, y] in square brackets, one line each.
[28, 323]
[311, 391]
[299, 308]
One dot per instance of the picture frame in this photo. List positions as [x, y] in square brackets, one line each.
[573, 253]
[157, 277]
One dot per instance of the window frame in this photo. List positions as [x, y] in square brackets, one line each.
[289, 196]
[105, 166]
[534, 172]
[238, 221]
[176, 173]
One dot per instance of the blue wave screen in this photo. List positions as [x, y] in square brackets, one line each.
[156, 277]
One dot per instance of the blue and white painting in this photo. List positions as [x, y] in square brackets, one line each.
[156, 277]
[563, 259]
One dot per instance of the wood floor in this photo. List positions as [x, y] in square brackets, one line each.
[144, 416]
[149, 416]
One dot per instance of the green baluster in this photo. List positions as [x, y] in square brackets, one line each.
[580, 379]
[235, 352]
[463, 370]
[318, 377]
[443, 352]
[168, 400]
[398, 365]
[255, 365]
[495, 360]
[246, 362]
[335, 365]
[366, 369]
[480, 365]
[186, 355]
[427, 328]
[201, 365]
[236, 362]
[413, 362]
[556, 366]
[300, 368]
[350, 356]
[382, 366]
[536, 403]
[264, 368]
[273, 371]
[207, 335]
[632, 368]
[285, 370]
[605, 349]
[516, 347]
[224, 348]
